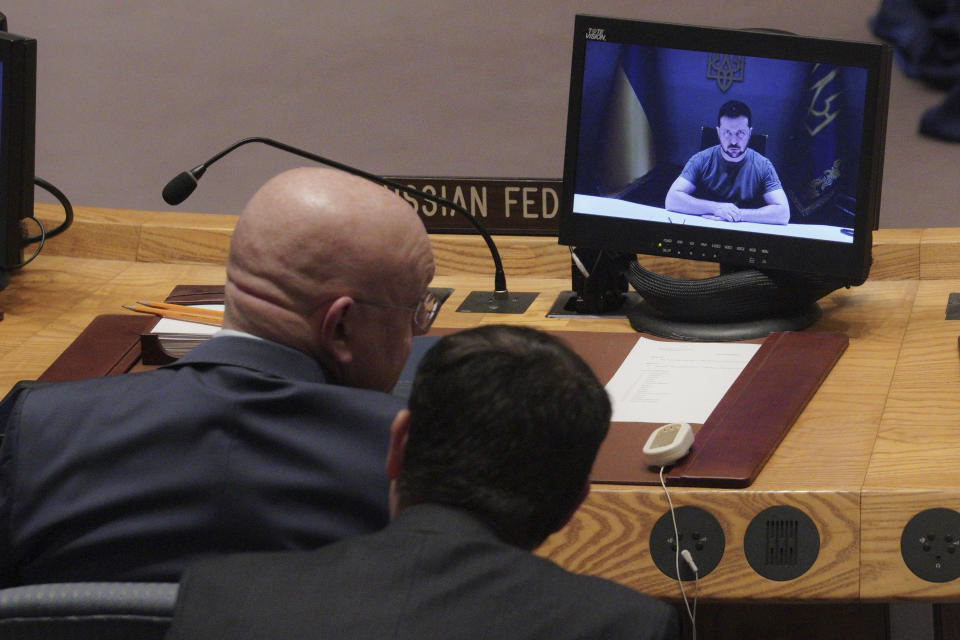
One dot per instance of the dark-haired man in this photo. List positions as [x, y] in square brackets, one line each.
[729, 181]
[492, 456]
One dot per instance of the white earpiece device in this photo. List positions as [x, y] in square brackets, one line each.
[668, 443]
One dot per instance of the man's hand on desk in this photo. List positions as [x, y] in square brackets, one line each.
[725, 212]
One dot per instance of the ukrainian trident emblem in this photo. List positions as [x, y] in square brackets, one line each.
[725, 69]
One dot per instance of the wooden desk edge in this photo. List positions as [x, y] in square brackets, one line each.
[158, 236]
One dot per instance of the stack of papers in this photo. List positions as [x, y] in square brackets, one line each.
[178, 337]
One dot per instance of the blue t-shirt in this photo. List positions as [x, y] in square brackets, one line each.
[743, 183]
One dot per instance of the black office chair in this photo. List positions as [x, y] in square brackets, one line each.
[709, 138]
[87, 611]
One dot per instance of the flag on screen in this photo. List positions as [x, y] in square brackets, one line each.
[815, 195]
[628, 142]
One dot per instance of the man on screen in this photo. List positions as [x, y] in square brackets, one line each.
[729, 181]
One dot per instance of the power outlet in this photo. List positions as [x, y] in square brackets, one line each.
[930, 545]
[699, 533]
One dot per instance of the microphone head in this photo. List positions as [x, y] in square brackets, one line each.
[180, 188]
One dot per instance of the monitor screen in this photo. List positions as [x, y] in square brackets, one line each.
[18, 72]
[747, 148]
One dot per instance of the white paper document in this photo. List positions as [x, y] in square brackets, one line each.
[675, 381]
[169, 326]
[178, 337]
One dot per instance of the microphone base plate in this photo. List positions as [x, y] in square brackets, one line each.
[490, 302]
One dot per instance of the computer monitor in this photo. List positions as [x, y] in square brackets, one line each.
[649, 104]
[18, 80]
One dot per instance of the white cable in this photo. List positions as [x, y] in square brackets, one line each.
[696, 576]
[696, 596]
[578, 264]
[692, 613]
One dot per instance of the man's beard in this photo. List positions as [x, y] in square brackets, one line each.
[734, 151]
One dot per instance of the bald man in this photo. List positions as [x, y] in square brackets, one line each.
[271, 435]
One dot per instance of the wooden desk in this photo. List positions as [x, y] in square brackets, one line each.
[915, 464]
[875, 445]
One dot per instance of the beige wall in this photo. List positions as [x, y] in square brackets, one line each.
[133, 91]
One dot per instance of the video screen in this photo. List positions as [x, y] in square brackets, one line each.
[706, 139]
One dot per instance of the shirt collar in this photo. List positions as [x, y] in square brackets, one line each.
[236, 334]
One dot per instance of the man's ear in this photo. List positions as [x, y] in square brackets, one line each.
[335, 332]
[399, 431]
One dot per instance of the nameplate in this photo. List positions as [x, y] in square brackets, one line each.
[503, 206]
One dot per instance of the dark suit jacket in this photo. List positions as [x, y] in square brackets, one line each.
[238, 446]
[435, 572]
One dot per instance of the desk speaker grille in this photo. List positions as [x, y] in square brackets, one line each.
[781, 543]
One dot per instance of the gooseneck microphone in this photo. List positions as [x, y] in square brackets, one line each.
[498, 301]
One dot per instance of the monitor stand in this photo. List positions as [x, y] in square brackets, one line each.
[646, 319]
[736, 305]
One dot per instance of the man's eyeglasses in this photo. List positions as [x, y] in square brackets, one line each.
[423, 314]
[739, 134]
